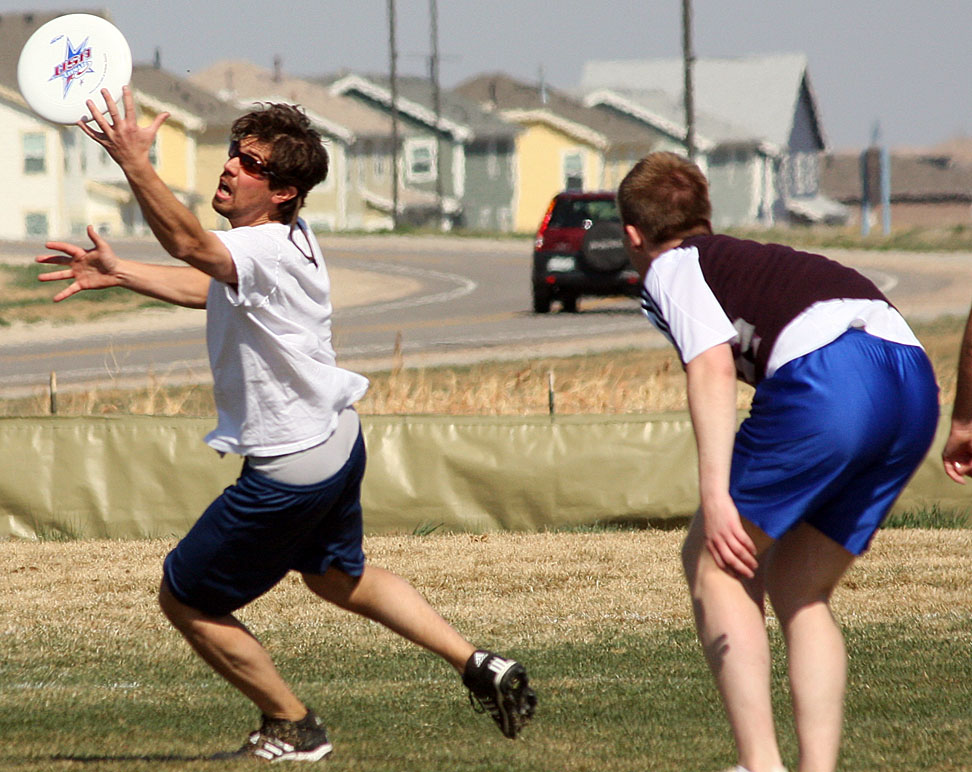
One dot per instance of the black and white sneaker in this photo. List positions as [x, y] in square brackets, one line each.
[501, 688]
[280, 740]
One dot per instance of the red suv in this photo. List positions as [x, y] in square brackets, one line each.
[579, 250]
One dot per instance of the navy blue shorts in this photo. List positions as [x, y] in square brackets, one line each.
[259, 529]
[833, 437]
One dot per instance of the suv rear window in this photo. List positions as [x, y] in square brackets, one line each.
[573, 213]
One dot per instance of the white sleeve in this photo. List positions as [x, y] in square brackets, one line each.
[257, 258]
[695, 320]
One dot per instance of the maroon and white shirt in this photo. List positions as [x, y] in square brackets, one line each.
[772, 303]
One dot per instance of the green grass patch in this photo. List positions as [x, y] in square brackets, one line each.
[630, 702]
[933, 516]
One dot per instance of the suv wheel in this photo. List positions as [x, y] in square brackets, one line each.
[604, 247]
[569, 304]
[541, 300]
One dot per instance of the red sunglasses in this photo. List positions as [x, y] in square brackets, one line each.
[251, 164]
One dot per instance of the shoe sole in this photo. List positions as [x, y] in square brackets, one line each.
[514, 697]
[314, 755]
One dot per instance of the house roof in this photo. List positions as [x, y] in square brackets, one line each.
[199, 108]
[667, 114]
[459, 116]
[913, 178]
[514, 99]
[758, 94]
[243, 83]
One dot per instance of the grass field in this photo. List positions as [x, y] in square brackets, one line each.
[92, 677]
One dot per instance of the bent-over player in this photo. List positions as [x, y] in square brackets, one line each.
[284, 405]
[845, 408]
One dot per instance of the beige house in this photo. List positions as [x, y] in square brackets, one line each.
[562, 145]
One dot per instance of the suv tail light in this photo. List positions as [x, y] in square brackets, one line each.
[538, 242]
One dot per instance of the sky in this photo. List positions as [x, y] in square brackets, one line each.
[901, 65]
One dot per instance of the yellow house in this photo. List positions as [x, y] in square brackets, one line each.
[563, 145]
[190, 148]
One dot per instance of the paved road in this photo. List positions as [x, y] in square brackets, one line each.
[426, 300]
[438, 300]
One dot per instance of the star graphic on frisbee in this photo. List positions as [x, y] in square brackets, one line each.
[76, 64]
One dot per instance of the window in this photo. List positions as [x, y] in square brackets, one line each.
[420, 160]
[492, 160]
[35, 224]
[35, 153]
[68, 145]
[573, 171]
[804, 174]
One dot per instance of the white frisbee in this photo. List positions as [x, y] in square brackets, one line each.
[68, 61]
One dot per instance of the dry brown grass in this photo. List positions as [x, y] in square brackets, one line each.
[614, 382]
[527, 590]
[630, 381]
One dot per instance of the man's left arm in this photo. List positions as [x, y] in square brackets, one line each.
[176, 228]
[711, 386]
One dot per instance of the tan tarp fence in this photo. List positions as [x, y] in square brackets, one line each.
[135, 477]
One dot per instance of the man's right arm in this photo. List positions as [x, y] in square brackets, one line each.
[177, 229]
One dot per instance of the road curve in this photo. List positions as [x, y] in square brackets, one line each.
[417, 300]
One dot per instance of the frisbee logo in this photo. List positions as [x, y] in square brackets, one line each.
[76, 64]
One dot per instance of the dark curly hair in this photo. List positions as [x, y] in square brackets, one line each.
[297, 157]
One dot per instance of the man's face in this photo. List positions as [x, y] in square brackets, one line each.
[244, 195]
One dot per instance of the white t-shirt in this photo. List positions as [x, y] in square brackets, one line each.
[277, 387]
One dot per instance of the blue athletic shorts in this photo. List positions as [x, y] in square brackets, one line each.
[833, 437]
[259, 529]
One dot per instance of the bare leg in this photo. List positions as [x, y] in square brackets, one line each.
[232, 651]
[802, 572]
[732, 630]
[386, 598]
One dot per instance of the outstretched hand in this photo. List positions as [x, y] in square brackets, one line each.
[125, 141]
[87, 269]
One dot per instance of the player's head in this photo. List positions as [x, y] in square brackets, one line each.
[665, 196]
[295, 154]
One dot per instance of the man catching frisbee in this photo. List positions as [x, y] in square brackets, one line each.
[284, 405]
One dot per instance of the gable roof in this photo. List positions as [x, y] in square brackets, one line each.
[667, 114]
[757, 94]
[244, 83]
[459, 116]
[195, 107]
[516, 101]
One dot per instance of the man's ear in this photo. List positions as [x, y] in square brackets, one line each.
[635, 238]
[284, 194]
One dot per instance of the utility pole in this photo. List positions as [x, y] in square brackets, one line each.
[393, 55]
[437, 107]
[688, 58]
